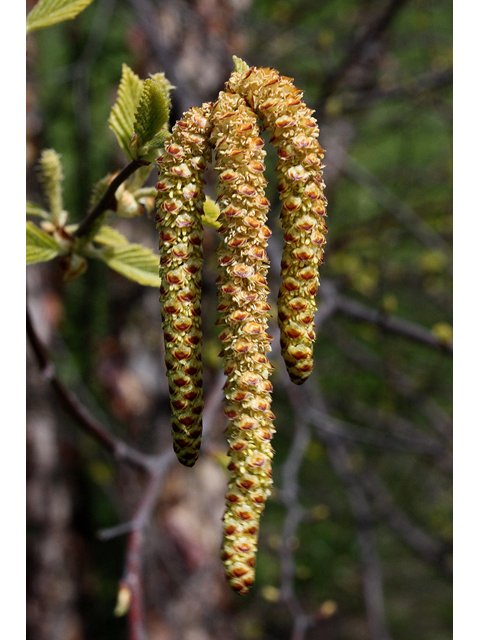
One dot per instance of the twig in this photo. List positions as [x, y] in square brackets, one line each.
[358, 353]
[372, 566]
[136, 527]
[431, 550]
[293, 518]
[356, 51]
[392, 324]
[400, 210]
[410, 89]
[359, 505]
[106, 201]
[120, 449]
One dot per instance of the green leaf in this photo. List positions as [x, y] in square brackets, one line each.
[133, 261]
[151, 115]
[110, 237]
[240, 65]
[41, 247]
[211, 212]
[122, 115]
[34, 209]
[48, 12]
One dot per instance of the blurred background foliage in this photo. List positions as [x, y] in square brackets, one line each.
[367, 440]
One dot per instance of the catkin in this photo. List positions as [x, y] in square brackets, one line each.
[244, 311]
[180, 195]
[294, 133]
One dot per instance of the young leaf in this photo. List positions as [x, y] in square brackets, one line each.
[109, 237]
[122, 115]
[48, 12]
[211, 212]
[41, 247]
[34, 209]
[133, 261]
[151, 115]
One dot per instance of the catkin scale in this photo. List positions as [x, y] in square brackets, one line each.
[294, 133]
[244, 310]
[180, 198]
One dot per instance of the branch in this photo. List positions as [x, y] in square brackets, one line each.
[131, 582]
[392, 324]
[401, 211]
[367, 542]
[356, 51]
[293, 518]
[360, 507]
[363, 357]
[431, 550]
[90, 425]
[107, 201]
[410, 89]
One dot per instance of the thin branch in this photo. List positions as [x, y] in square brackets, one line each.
[401, 211]
[363, 357]
[132, 578]
[357, 49]
[294, 516]
[107, 201]
[371, 562]
[359, 505]
[390, 323]
[410, 89]
[431, 550]
[120, 450]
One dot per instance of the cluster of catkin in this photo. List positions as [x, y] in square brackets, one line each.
[229, 128]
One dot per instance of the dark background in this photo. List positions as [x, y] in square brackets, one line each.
[357, 536]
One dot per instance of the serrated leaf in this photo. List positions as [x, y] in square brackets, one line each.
[41, 247]
[110, 237]
[151, 115]
[34, 209]
[133, 261]
[165, 85]
[48, 12]
[122, 114]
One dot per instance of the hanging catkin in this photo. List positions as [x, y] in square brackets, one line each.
[294, 133]
[179, 212]
[244, 314]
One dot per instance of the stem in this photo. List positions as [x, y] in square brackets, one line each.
[105, 201]
[121, 450]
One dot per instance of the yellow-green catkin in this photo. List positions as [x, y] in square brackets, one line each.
[294, 133]
[244, 311]
[180, 196]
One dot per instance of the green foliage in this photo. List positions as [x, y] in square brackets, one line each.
[49, 12]
[41, 247]
[150, 118]
[133, 261]
[139, 117]
[109, 237]
[34, 209]
[122, 115]
[211, 211]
